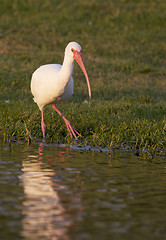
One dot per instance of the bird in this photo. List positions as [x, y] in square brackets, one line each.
[53, 83]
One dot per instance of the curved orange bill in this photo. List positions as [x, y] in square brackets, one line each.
[77, 57]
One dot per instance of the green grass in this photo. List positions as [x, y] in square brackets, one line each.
[123, 48]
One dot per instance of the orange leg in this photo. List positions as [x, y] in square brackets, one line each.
[72, 131]
[43, 126]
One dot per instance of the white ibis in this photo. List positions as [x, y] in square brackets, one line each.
[53, 83]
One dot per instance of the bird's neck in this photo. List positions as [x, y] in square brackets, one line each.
[67, 69]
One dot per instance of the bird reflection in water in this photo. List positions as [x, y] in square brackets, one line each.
[44, 215]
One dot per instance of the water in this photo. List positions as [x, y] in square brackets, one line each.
[53, 193]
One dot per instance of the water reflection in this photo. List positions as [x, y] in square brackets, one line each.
[44, 215]
[80, 195]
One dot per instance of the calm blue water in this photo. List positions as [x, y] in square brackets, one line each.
[49, 192]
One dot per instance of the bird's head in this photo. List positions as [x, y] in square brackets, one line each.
[73, 50]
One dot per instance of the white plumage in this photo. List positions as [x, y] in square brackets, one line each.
[47, 85]
[53, 83]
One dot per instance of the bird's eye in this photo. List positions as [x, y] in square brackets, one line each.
[72, 50]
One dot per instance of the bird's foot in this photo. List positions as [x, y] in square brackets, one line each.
[72, 131]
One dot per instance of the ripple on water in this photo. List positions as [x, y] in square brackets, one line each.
[51, 192]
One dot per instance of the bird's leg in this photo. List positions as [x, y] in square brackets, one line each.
[43, 126]
[72, 131]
